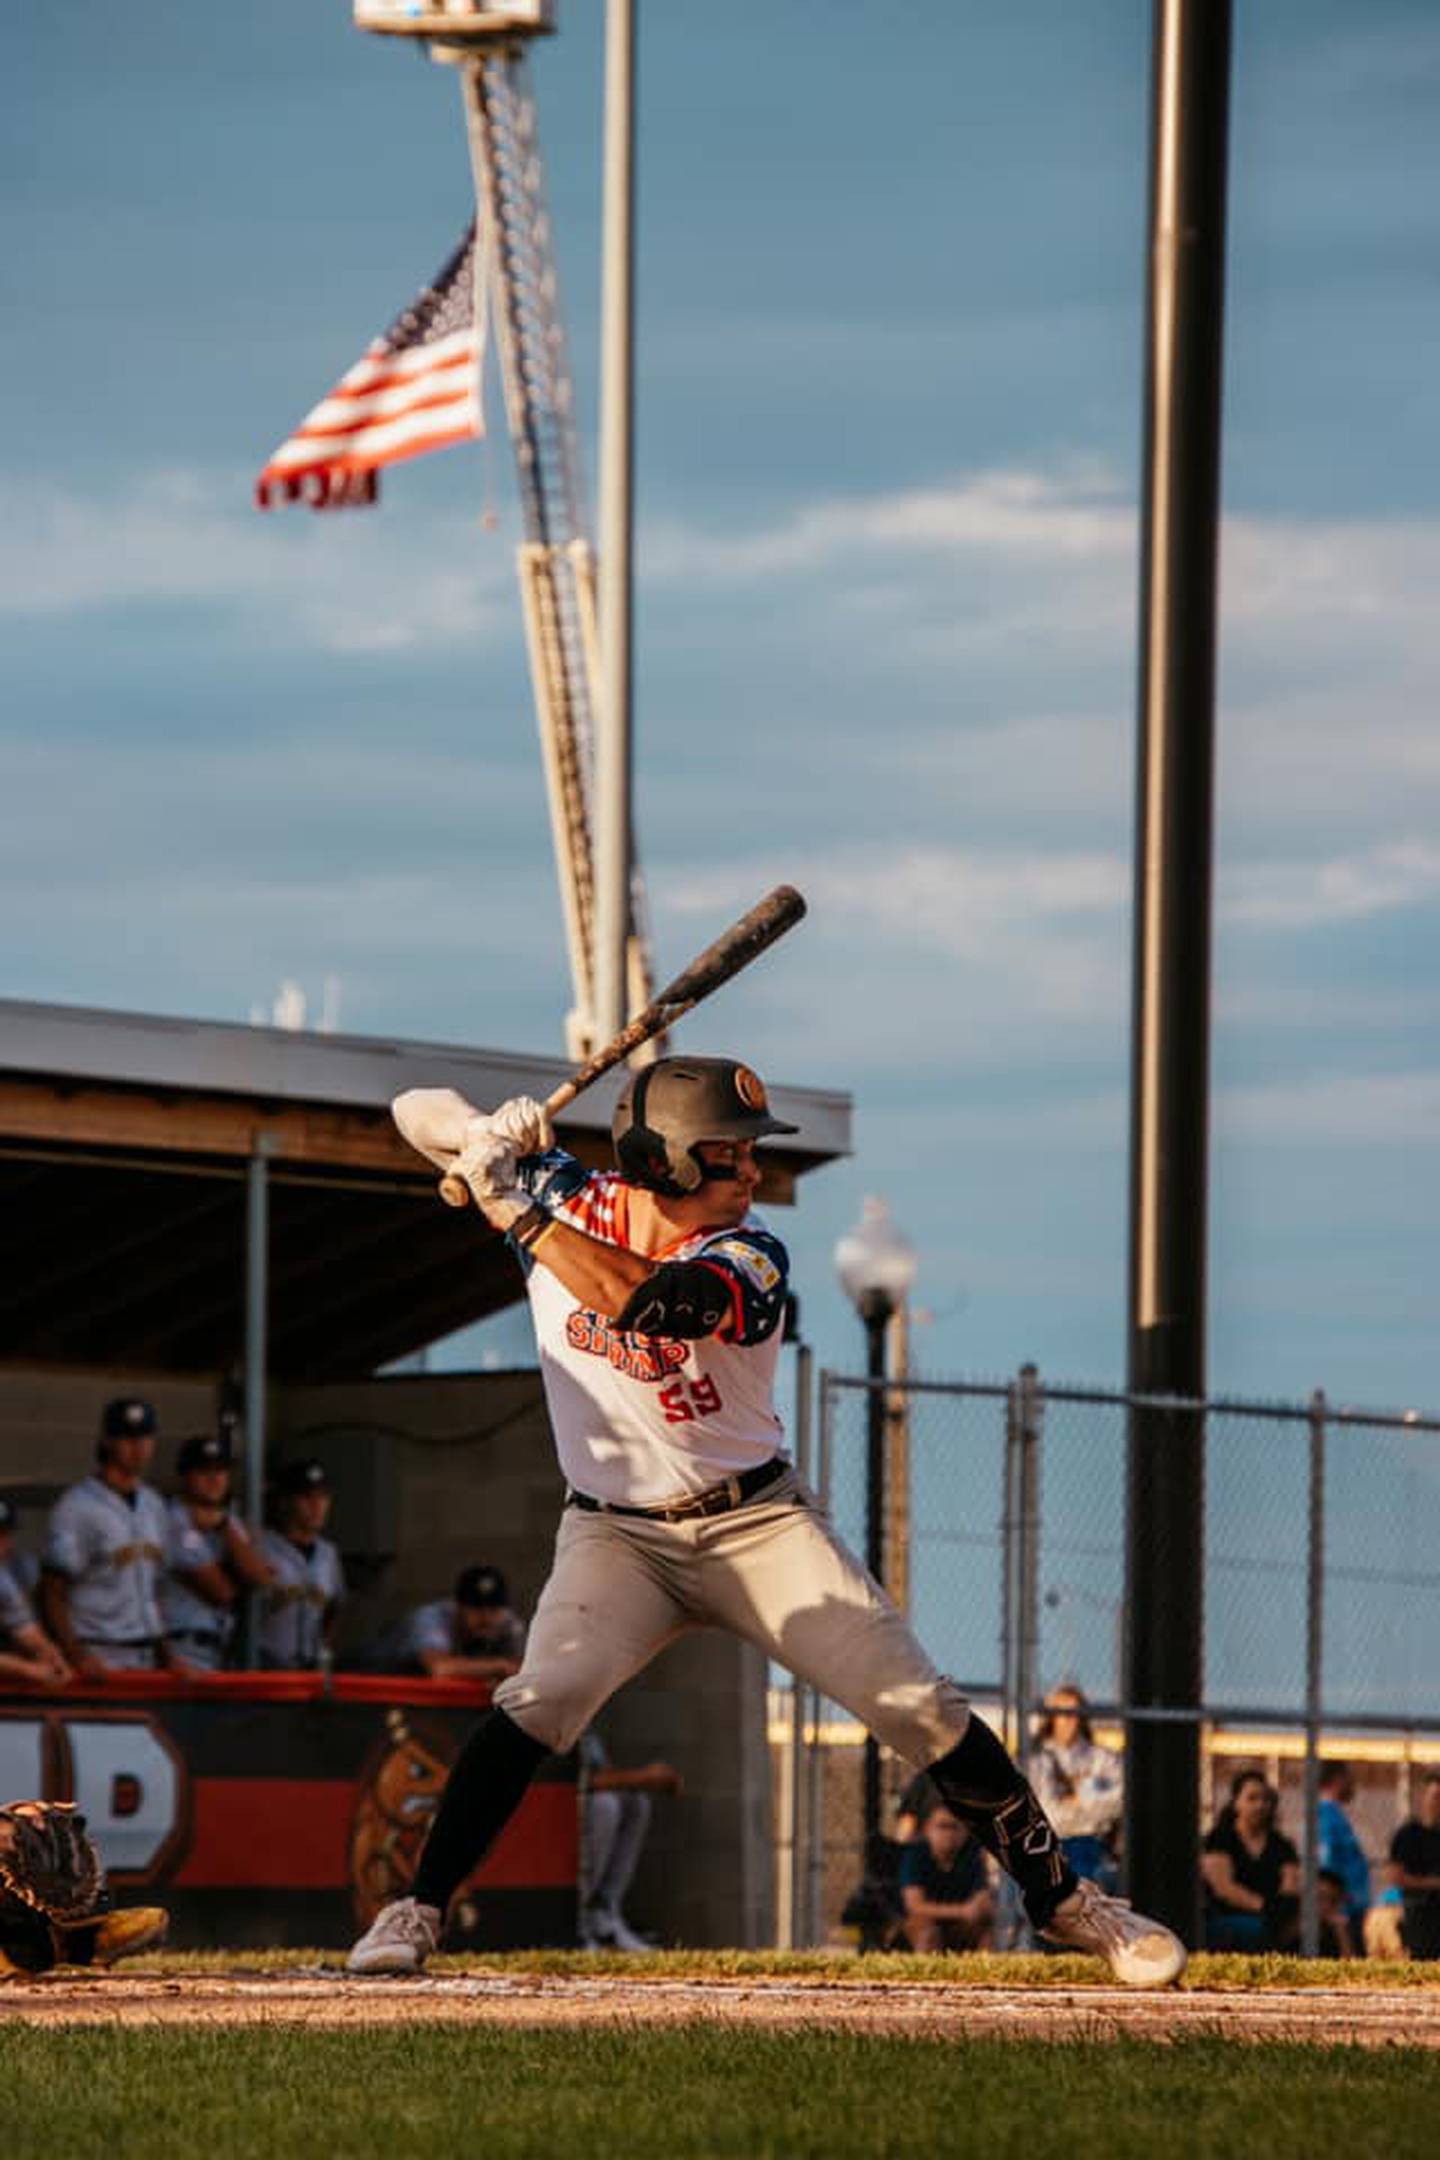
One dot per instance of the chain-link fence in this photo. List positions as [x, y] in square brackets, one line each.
[1006, 1505]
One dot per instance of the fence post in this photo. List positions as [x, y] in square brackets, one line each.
[1314, 1679]
[802, 1698]
[815, 1760]
[1027, 1673]
[1008, 1571]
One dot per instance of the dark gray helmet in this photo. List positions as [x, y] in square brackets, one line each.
[668, 1107]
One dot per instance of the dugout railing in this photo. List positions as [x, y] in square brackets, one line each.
[1004, 1507]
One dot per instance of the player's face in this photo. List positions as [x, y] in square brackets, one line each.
[310, 1511]
[130, 1455]
[210, 1485]
[728, 1197]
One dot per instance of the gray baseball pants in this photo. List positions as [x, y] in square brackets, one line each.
[771, 1571]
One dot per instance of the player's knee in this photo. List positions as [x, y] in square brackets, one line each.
[553, 1716]
[921, 1722]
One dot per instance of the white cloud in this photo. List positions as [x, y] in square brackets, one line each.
[1399, 1109]
[347, 581]
[1394, 876]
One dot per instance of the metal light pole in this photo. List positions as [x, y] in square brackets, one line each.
[613, 761]
[1170, 1050]
[876, 1266]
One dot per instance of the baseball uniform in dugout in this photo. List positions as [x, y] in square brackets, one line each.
[110, 1547]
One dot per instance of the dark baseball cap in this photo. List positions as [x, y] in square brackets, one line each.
[308, 1475]
[481, 1586]
[202, 1451]
[127, 1418]
[7, 1515]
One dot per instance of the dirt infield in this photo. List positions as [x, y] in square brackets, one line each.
[320, 1998]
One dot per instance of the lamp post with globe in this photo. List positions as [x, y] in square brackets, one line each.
[876, 1267]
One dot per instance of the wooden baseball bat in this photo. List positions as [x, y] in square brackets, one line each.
[733, 950]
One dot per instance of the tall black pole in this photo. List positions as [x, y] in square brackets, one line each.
[875, 1311]
[1171, 1016]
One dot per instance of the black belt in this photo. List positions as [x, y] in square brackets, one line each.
[121, 1642]
[193, 1634]
[731, 1492]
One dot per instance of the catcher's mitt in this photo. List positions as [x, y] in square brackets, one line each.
[51, 1875]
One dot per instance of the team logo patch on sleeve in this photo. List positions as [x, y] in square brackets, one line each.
[756, 1266]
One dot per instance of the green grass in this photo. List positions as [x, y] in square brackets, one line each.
[695, 2093]
[822, 1967]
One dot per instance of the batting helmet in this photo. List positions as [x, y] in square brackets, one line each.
[667, 1108]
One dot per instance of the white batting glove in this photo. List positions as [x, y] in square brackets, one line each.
[435, 1121]
[525, 1123]
[487, 1165]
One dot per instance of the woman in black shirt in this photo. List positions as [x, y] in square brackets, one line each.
[1252, 1873]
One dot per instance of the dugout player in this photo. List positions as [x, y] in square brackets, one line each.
[657, 1297]
[210, 1555]
[307, 1582]
[100, 1575]
[27, 1655]
[474, 1635]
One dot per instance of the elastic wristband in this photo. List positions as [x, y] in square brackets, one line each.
[531, 1227]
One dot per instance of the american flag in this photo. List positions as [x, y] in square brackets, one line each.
[417, 388]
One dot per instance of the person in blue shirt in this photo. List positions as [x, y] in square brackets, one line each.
[945, 1886]
[1340, 1851]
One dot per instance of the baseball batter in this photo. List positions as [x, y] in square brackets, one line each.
[657, 1296]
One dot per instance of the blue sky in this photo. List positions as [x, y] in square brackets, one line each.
[890, 318]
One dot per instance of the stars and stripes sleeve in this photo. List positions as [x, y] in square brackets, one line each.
[756, 1268]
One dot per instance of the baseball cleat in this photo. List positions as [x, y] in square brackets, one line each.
[1141, 1953]
[398, 1939]
[604, 1929]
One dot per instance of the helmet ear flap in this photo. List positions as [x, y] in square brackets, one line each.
[644, 1154]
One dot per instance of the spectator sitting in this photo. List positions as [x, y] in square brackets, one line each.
[28, 1658]
[1337, 1938]
[1337, 1847]
[1251, 1871]
[876, 1908]
[299, 1605]
[100, 1584]
[1385, 1924]
[1415, 1862]
[210, 1555]
[1080, 1785]
[614, 1826]
[474, 1635]
[946, 1887]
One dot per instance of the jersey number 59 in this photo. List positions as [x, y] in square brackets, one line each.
[684, 1401]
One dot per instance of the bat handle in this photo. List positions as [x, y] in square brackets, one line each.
[456, 1193]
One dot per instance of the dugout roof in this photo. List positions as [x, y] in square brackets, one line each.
[125, 1142]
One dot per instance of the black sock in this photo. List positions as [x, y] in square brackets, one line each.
[979, 1783]
[483, 1791]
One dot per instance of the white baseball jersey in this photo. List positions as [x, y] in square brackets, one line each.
[293, 1607]
[16, 1611]
[111, 1548]
[644, 1419]
[186, 1614]
[436, 1627]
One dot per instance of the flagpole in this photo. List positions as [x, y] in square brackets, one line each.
[614, 759]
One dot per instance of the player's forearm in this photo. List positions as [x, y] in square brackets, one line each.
[55, 1612]
[31, 1672]
[602, 1277]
